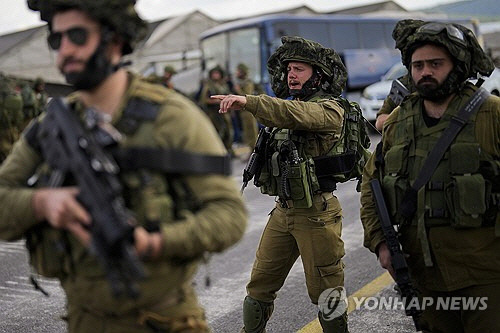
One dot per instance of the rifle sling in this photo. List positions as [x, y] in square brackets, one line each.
[408, 205]
[172, 161]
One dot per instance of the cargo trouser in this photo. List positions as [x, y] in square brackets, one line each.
[479, 314]
[314, 234]
[178, 313]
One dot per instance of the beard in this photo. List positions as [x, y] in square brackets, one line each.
[430, 89]
[96, 69]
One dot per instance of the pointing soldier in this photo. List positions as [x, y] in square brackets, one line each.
[307, 219]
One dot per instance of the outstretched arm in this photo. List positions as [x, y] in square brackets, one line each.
[230, 102]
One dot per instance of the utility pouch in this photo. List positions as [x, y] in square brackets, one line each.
[47, 251]
[299, 185]
[465, 197]
[394, 183]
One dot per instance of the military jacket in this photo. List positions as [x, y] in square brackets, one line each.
[218, 223]
[462, 251]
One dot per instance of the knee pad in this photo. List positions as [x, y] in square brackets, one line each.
[336, 325]
[256, 314]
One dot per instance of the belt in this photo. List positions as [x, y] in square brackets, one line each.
[320, 197]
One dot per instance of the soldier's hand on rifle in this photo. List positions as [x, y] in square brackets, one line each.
[148, 244]
[60, 208]
[230, 102]
[384, 257]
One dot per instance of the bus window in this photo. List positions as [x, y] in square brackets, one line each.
[308, 30]
[344, 36]
[214, 51]
[372, 36]
[244, 47]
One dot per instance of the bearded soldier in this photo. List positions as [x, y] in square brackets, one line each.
[439, 169]
[172, 222]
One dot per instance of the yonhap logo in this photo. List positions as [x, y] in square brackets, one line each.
[332, 303]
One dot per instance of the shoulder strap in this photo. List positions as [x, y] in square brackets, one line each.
[457, 122]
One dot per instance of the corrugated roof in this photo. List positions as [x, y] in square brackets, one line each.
[8, 41]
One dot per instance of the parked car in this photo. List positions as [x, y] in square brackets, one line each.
[373, 96]
[492, 83]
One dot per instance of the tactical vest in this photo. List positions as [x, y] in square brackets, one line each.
[459, 192]
[154, 188]
[300, 164]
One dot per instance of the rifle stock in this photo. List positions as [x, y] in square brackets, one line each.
[398, 261]
[77, 153]
[256, 160]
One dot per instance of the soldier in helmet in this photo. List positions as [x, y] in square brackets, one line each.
[40, 95]
[168, 72]
[245, 86]
[11, 115]
[307, 219]
[216, 84]
[174, 224]
[446, 204]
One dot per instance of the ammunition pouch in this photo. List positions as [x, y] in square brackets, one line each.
[47, 249]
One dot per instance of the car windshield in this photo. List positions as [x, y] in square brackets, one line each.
[395, 72]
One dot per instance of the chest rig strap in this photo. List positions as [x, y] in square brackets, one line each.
[173, 161]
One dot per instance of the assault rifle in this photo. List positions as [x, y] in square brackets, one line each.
[398, 92]
[256, 160]
[77, 153]
[402, 276]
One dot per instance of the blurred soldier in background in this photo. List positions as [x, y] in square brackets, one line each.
[174, 220]
[168, 73]
[439, 167]
[245, 86]
[40, 95]
[216, 84]
[11, 115]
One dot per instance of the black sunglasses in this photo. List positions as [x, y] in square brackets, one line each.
[77, 35]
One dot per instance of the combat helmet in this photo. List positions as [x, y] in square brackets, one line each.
[243, 68]
[470, 59]
[119, 16]
[310, 52]
[169, 69]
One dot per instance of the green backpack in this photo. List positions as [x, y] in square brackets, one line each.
[350, 153]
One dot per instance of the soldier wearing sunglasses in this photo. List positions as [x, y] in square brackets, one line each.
[439, 168]
[174, 223]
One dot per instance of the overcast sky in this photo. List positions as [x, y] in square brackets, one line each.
[16, 15]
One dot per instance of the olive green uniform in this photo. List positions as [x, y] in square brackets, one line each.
[313, 233]
[221, 122]
[11, 116]
[167, 299]
[446, 254]
[248, 122]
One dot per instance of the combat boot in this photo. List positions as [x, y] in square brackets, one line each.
[255, 315]
[335, 325]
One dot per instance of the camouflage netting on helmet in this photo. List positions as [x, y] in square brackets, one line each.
[471, 57]
[119, 16]
[310, 52]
